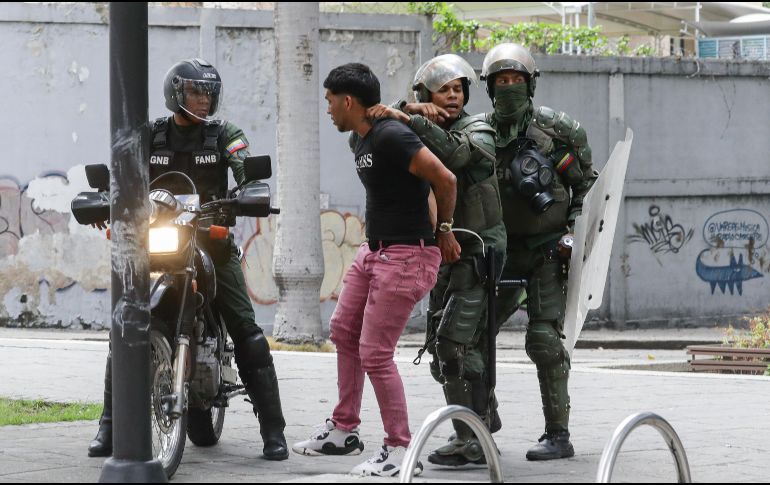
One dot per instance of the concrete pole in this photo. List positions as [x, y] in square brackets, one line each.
[298, 263]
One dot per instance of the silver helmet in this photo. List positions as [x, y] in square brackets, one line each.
[513, 57]
[440, 70]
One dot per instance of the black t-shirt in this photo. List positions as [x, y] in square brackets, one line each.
[396, 200]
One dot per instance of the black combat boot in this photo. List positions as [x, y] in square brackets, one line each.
[255, 366]
[102, 443]
[552, 446]
[263, 392]
[463, 447]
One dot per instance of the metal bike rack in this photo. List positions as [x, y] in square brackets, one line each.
[429, 426]
[611, 450]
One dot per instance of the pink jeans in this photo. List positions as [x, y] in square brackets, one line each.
[379, 293]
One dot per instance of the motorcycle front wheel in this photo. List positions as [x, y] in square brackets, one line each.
[168, 435]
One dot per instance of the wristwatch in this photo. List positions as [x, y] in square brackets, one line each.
[445, 227]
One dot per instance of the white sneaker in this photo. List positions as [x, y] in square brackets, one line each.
[328, 440]
[385, 463]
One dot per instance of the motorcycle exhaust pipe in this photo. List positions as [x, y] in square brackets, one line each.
[178, 397]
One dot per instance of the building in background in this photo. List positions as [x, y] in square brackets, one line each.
[686, 29]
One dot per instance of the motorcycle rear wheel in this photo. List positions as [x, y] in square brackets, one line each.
[204, 427]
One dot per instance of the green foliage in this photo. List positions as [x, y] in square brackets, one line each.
[451, 34]
[622, 47]
[758, 335]
[644, 50]
[17, 412]
[546, 38]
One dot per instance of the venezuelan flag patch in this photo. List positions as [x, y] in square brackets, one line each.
[236, 145]
[564, 163]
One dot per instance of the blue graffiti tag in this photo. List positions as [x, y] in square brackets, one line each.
[731, 231]
[731, 276]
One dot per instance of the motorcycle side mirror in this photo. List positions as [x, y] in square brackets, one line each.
[98, 177]
[254, 200]
[258, 168]
[91, 207]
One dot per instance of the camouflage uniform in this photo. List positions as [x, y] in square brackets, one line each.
[533, 238]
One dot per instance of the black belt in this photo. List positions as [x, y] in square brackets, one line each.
[376, 244]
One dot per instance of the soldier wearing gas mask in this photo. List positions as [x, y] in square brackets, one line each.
[204, 149]
[457, 317]
[544, 170]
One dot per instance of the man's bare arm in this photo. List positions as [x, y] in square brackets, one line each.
[428, 167]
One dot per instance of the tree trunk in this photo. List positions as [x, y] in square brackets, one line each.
[298, 263]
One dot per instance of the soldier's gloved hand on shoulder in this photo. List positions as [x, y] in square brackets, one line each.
[428, 110]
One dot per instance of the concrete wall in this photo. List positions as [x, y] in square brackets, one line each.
[56, 120]
[697, 190]
[697, 194]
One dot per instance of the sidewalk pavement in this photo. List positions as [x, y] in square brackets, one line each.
[723, 421]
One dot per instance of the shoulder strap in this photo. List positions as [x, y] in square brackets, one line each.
[211, 134]
[159, 133]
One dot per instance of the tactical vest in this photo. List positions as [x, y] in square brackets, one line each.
[478, 205]
[545, 127]
[199, 157]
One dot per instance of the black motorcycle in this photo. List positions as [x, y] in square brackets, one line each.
[192, 375]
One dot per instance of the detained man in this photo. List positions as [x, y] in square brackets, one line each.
[393, 271]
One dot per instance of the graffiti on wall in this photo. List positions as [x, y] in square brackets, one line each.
[737, 250]
[43, 251]
[342, 234]
[20, 218]
[660, 233]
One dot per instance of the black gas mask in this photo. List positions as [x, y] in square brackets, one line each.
[532, 175]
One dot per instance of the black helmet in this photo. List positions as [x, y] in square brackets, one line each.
[197, 72]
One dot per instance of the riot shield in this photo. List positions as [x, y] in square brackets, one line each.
[594, 234]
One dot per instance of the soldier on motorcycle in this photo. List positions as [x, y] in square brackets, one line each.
[203, 149]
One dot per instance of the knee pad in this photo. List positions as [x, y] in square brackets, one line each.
[464, 316]
[543, 344]
[450, 357]
[252, 351]
[475, 364]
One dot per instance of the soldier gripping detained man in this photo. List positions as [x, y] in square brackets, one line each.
[544, 170]
[457, 317]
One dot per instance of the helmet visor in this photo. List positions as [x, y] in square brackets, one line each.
[442, 69]
[199, 97]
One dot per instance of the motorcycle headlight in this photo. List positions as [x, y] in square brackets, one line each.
[164, 240]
